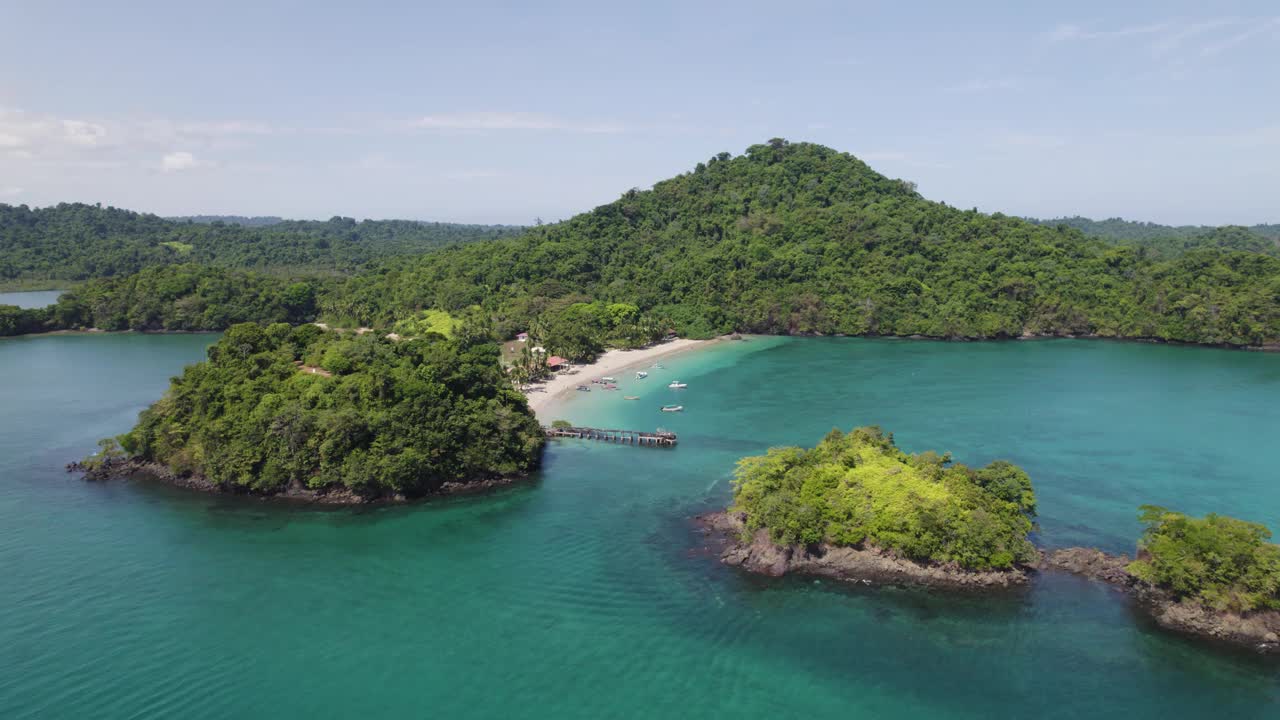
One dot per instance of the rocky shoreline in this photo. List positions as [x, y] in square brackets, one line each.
[1257, 631]
[869, 565]
[128, 468]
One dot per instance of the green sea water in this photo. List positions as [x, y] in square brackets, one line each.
[586, 593]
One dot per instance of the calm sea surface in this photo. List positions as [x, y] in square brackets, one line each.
[586, 593]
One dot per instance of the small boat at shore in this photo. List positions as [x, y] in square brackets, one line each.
[608, 379]
[610, 386]
[676, 385]
[672, 408]
[641, 375]
[584, 388]
[631, 397]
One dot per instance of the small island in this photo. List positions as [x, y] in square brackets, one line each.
[1214, 577]
[310, 413]
[858, 508]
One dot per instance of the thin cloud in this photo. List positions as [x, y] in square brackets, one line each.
[1270, 26]
[498, 121]
[898, 157]
[981, 85]
[179, 161]
[10, 192]
[1220, 34]
[1068, 31]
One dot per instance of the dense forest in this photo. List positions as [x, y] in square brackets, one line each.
[1218, 561]
[74, 242]
[859, 489]
[171, 298]
[1164, 241]
[801, 239]
[285, 407]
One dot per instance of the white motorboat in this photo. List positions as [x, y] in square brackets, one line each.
[672, 408]
[641, 375]
[676, 384]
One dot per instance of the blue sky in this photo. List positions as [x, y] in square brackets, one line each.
[498, 112]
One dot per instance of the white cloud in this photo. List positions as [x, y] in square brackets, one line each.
[9, 192]
[86, 134]
[178, 161]
[509, 121]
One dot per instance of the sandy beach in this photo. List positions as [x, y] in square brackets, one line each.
[543, 396]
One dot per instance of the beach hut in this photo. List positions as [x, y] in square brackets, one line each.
[555, 362]
[522, 337]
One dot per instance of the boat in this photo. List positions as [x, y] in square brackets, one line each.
[610, 386]
[676, 384]
[672, 408]
[641, 375]
[631, 397]
[608, 379]
[659, 366]
[584, 388]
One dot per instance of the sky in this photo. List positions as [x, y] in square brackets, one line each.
[510, 112]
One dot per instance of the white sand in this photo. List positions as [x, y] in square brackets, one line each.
[544, 395]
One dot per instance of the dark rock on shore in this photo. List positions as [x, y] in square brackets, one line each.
[1258, 631]
[128, 468]
[867, 565]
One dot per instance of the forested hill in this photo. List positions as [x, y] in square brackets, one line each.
[1170, 240]
[73, 242]
[800, 238]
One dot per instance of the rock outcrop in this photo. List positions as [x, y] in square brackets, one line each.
[867, 565]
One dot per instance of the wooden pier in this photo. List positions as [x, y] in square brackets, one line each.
[657, 438]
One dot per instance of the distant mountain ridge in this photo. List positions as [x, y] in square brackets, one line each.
[254, 221]
[75, 241]
[1167, 240]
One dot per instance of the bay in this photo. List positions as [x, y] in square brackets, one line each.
[586, 592]
[30, 298]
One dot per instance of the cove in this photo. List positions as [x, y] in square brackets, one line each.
[585, 592]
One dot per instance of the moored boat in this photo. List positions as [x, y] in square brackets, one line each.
[631, 397]
[640, 375]
[584, 388]
[672, 408]
[677, 384]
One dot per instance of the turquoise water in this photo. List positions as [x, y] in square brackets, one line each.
[586, 593]
[30, 299]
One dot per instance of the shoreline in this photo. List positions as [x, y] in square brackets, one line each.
[130, 470]
[870, 566]
[549, 395]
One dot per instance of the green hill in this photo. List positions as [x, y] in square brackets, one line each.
[800, 238]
